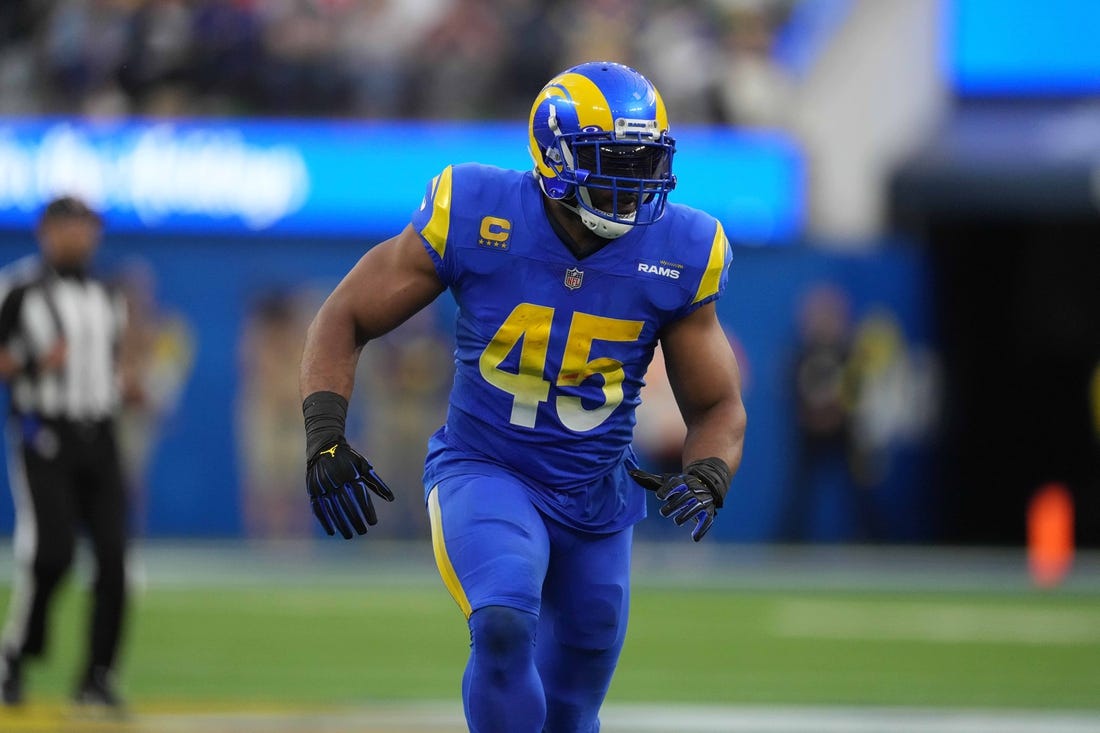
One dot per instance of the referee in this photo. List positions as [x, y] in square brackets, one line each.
[60, 330]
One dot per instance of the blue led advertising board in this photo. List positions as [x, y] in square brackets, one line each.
[359, 179]
[1023, 47]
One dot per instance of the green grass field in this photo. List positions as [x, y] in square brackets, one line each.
[303, 640]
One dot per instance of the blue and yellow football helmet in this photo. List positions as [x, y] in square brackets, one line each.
[602, 127]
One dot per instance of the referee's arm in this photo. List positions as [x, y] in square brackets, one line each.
[130, 350]
[10, 365]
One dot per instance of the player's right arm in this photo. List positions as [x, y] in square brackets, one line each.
[389, 284]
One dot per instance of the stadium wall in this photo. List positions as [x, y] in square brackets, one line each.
[192, 479]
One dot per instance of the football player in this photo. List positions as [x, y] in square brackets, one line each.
[566, 277]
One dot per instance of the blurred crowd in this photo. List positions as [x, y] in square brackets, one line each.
[477, 59]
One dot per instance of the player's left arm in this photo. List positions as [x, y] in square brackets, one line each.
[706, 381]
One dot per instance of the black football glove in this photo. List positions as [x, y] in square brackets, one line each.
[696, 493]
[340, 482]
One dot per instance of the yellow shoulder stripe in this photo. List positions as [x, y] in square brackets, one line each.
[435, 231]
[716, 263]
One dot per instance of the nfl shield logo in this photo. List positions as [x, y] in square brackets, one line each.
[573, 278]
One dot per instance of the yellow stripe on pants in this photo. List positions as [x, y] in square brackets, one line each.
[442, 561]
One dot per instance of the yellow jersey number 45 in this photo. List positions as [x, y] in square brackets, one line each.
[529, 386]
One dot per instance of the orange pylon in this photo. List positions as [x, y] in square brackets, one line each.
[1050, 540]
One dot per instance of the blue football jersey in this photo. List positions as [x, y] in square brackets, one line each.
[551, 350]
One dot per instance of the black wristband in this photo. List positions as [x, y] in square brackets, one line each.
[715, 475]
[326, 414]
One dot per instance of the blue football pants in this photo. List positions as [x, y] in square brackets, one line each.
[546, 604]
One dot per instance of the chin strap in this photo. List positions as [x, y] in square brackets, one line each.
[602, 227]
[606, 228]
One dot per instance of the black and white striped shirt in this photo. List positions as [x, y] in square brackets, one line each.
[37, 308]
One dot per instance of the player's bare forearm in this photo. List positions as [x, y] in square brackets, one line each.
[706, 380]
[330, 353]
[718, 432]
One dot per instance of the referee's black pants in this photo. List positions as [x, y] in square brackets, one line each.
[66, 477]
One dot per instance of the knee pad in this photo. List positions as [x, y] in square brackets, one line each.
[503, 632]
[595, 622]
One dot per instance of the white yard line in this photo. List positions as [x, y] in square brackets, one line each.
[665, 719]
[617, 718]
[839, 720]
